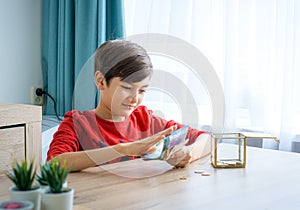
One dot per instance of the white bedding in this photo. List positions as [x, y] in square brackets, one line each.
[46, 140]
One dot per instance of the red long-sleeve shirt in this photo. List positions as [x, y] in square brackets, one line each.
[85, 130]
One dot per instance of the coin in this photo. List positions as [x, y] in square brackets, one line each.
[205, 174]
[198, 171]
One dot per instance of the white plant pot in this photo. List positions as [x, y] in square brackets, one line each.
[43, 187]
[65, 184]
[30, 195]
[46, 187]
[57, 201]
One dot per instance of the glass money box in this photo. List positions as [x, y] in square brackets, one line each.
[229, 149]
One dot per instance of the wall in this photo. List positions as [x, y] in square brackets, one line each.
[20, 49]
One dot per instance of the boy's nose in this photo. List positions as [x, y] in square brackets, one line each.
[134, 98]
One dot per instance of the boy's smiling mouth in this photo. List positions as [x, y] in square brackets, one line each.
[128, 106]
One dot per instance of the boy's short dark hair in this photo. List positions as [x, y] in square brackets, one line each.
[124, 59]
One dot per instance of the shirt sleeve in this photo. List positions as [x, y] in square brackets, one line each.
[64, 139]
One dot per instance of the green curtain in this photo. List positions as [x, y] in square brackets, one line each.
[71, 32]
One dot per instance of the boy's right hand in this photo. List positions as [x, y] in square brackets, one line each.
[143, 146]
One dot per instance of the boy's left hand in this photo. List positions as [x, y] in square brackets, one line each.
[180, 158]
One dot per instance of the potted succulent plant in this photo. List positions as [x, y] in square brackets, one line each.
[42, 177]
[22, 175]
[56, 196]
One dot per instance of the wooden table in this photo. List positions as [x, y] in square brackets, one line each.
[271, 180]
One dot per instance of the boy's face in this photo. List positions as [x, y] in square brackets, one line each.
[120, 98]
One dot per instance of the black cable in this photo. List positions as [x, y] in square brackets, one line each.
[40, 92]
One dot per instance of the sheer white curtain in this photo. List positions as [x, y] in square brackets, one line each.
[253, 45]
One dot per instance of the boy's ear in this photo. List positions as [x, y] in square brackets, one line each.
[99, 80]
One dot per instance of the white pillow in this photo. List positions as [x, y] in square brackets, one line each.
[47, 137]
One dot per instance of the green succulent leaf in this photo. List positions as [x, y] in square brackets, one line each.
[55, 175]
[22, 174]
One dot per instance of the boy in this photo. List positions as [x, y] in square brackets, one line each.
[119, 128]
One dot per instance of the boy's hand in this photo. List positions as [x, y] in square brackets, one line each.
[145, 145]
[180, 158]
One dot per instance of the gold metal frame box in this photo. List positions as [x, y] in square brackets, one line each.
[229, 149]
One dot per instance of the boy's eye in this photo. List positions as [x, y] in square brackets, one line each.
[128, 88]
[125, 87]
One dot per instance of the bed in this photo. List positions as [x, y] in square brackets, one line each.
[50, 125]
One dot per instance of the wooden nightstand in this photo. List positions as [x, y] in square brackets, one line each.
[20, 133]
